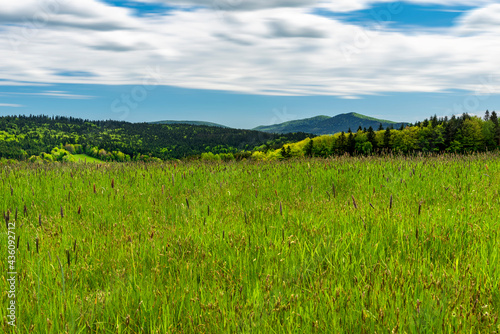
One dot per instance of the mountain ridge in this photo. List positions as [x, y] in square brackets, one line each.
[190, 123]
[324, 125]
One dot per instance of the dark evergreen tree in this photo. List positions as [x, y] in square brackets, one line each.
[371, 137]
[309, 148]
[341, 143]
[351, 143]
[434, 121]
[387, 138]
[494, 118]
[450, 130]
[283, 152]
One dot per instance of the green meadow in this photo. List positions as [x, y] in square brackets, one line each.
[85, 158]
[388, 244]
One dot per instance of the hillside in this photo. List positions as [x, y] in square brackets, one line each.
[322, 125]
[23, 136]
[190, 123]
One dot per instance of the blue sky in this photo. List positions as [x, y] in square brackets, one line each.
[404, 15]
[245, 64]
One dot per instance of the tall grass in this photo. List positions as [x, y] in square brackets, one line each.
[378, 244]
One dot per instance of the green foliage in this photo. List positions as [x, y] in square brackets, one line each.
[457, 135]
[69, 158]
[219, 157]
[210, 157]
[23, 136]
[58, 154]
[70, 148]
[308, 150]
[47, 157]
[286, 152]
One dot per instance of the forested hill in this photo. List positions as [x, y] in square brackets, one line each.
[324, 125]
[24, 136]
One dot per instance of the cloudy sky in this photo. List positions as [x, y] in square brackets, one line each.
[246, 63]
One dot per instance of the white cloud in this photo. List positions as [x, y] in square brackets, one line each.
[65, 95]
[481, 20]
[281, 48]
[52, 93]
[10, 105]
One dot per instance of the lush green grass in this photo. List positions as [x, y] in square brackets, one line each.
[279, 247]
[86, 158]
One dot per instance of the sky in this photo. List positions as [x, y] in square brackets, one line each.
[247, 63]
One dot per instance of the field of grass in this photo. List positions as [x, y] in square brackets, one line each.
[342, 245]
[86, 158]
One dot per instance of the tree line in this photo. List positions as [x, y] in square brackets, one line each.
[462, 134]
[23, 137]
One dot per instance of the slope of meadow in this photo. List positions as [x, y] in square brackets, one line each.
[375, 244]
[85, 158]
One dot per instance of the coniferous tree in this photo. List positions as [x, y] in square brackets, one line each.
[351, 143]
[371, 137]
[434, 121]
[283, 152]
[494, 119]
[309, 148]
[450, 130]
[341, 142]
[387, 138]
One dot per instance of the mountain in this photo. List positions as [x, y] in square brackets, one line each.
[323, 125]
[190, 123]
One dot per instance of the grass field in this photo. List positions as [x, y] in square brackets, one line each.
[86, 158]
[342, 245]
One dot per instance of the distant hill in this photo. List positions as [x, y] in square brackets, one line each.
[323, 125]
[191, 123]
